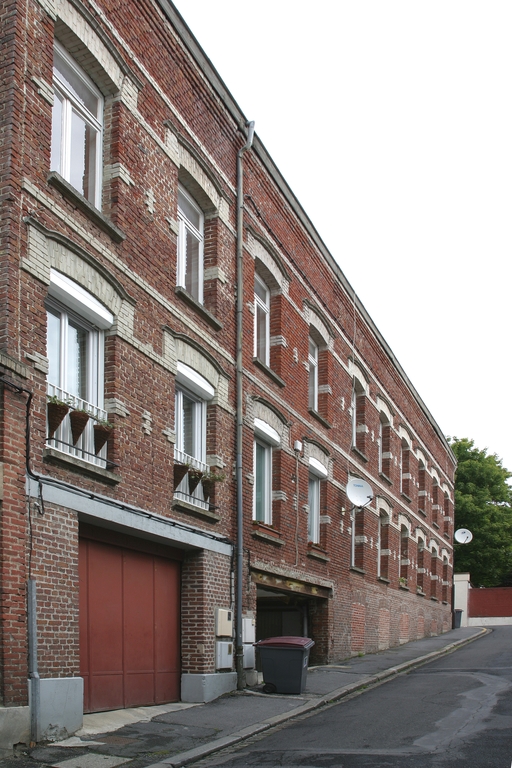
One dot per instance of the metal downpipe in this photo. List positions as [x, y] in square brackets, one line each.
[239, 404]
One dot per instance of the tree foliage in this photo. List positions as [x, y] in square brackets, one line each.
[483, 503]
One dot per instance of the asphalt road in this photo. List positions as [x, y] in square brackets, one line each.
[453, 713]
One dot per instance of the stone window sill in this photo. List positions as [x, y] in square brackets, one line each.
[383, 579]
[319, 418]
[318, 554]
[101, 221]
[406, 497]
[266, 533]
[359, 453]
[275, 378]
[53, 456]
[360, 571]
[199, 308]
[385, 478]
[192, 509]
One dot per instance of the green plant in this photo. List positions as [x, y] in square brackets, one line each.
[215, 477]
[54, 400]
[402, 580]
[103, 423]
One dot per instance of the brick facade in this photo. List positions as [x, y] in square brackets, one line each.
[372, 578]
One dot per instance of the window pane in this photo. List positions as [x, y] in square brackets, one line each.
[192, 265]
[77, 85]
[188, 426]
[77, 152]
[313, 349]
[76, 368]
[260, 483]
[261, 334]
[53, 347]
[91, 141]
[189, 211]
[313, 400]
[261, 291]
[56, 156]
[314, 510]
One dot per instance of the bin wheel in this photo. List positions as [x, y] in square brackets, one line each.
[269, 688]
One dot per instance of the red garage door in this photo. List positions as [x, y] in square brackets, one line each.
[129, 627]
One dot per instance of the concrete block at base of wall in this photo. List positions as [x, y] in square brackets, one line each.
[14, 728]
[61, 707]
[202, 688]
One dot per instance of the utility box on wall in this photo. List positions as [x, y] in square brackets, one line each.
[223, 622]
[223, 655]
[248, 631]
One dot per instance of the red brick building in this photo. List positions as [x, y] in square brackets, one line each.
[188, 383]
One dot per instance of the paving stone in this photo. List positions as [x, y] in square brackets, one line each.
[92, 760]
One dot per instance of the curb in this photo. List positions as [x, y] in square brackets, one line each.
[192, 755]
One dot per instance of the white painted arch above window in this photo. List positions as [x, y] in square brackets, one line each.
[194, 382]
[81, 301]
[384, 411]
[266, 432]
[360, 383]
[405, 437]
[317, 468]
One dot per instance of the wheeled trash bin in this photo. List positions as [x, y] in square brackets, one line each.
[284, 663]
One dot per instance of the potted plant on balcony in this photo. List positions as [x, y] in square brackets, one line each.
[209, 481]
[194, 478]
[180, 470]
[56, 410]
[102, 430]
[78, 419]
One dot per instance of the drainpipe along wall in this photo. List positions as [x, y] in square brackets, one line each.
[239, 404]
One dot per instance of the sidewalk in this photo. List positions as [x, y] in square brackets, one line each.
[173, 735]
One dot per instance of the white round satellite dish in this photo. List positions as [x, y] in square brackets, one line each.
[463, 536]
[359, 492]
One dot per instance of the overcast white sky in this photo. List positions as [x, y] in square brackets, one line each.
[391, 120]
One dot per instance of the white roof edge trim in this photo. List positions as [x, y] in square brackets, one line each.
[193, 381]
[317, 468]
[81, 301]
[265, 431]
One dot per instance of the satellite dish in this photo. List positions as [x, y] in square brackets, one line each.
[359, 492]
[463, 536]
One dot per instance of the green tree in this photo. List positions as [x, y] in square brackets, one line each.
[483, 503]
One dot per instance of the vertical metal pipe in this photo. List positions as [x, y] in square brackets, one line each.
[239, 404]
[33, 671]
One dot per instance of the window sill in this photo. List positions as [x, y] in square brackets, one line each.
[434, 599]
[422, 512]
[263, 531]
[420, 594]
[263, 367]
[192, 509]
[385, 478]
[436, 526]
[53, 456]
[319, 418]
[406, 497]
[101, 221]
[383, 579]
[404, 587]
[199, 308]
[359, 453]
[317, 553]
[357, 570]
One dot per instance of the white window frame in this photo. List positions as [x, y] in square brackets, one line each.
[72, 303]
[263, 305]
[186, 226]
[353, 407]
[313, 375]
[317, 473]
[191, 385]
[266, 438]
[62, 154]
